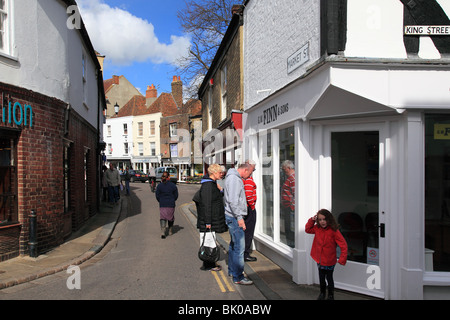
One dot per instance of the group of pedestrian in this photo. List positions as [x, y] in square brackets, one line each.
[224, 206]
[111, 182]
[231, 205]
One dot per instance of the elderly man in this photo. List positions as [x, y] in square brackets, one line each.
[235, 211]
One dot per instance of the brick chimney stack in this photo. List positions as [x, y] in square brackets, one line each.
[151, 92]
[116, 79]
[151, 95]
[177, 91]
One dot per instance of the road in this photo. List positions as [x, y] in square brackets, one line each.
[138, 265]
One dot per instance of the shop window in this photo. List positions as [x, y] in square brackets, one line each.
[8, 182]
[287, 186]
[267, 185]
[437, 192]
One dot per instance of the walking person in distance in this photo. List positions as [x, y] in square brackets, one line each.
[167, 195]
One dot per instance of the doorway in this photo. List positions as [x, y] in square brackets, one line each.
[355, 156]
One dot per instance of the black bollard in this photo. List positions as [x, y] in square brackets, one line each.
[33, 234]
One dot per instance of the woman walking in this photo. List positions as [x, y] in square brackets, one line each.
[166, 194]
[210, 209]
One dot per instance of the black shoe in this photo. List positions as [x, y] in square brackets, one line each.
[250, 259]
[321, 296]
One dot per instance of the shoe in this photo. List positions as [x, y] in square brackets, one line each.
[321, 296]
[250, 259]
[244, 281]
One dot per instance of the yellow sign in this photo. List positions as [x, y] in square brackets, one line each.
[442, 131]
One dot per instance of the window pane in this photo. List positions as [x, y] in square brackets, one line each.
[437, 192]
[287, 185]
[267, 178]
[2, 29]
[355, 174]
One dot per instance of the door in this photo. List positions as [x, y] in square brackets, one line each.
[356, 158]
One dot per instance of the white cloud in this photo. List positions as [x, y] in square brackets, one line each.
[124, 38]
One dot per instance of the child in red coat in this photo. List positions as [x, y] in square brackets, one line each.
[327, 238]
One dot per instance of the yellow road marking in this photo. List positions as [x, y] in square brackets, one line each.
[224, 281]
[227, 283]
[222, 288]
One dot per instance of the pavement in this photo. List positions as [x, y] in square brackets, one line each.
[272, 281]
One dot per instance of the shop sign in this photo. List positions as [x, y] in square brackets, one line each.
[441, 131]
[427, 30]
[271, 114]
[298, 59]
[16, 113]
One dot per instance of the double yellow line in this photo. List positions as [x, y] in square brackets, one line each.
[225, 283]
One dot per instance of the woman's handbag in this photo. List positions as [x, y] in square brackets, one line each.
[207, 253]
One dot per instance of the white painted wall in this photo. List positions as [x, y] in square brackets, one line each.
[273, 31]
[46, 56]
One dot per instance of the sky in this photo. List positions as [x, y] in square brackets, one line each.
[140, 39]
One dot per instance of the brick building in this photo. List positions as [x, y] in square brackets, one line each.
[221, 94]
[51, 104]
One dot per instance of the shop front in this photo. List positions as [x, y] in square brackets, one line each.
[354, 140]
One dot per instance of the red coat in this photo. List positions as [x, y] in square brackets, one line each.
[323, 249]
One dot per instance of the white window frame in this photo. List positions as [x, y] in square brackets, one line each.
[223, 91]
[8, 38]
[173, 129]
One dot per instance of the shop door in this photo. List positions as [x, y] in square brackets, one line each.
[356, 158]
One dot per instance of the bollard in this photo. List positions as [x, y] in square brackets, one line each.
[33, 234]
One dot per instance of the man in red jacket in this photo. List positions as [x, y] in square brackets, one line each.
[250, 219]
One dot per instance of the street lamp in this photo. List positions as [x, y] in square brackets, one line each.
[116, 108]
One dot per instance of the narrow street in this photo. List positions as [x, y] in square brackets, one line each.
[138, 264]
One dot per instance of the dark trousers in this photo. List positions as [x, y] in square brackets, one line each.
[326, 273]
[250, 223]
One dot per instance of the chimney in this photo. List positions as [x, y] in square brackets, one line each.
[116, 79]
[177, 91]
[237, 9]
[151, 92]
[151, 95]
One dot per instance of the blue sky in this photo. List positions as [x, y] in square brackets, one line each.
[141, 39]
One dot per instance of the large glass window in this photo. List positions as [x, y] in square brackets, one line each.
[287, 186]
[437, 192]
[278, 184]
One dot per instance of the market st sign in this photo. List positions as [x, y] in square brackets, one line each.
[15, 113]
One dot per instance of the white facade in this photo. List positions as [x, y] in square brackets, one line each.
[118, 136]
[147, 141]
[46, 35]
[359, 128]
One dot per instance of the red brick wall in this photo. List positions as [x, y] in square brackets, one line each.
[40, 172]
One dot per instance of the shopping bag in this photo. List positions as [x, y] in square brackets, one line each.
[208, 251]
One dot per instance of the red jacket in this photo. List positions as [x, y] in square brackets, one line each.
[323, 249]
